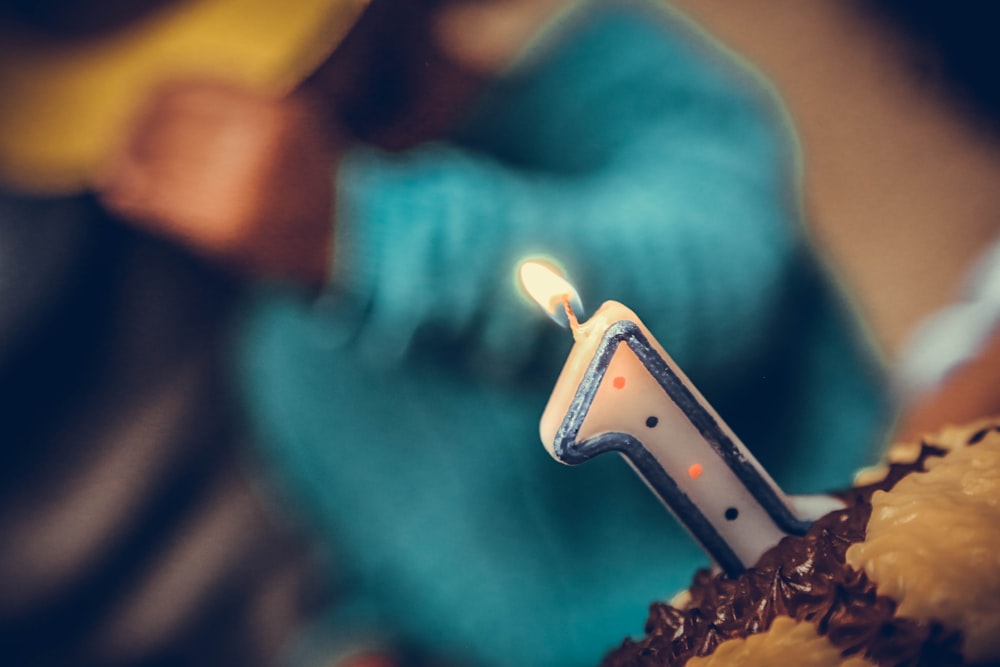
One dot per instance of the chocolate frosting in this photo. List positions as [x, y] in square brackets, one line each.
[806, 578]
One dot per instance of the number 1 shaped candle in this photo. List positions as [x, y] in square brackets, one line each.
[620, 391]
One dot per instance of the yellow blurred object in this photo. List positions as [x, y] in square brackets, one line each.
[65, 102]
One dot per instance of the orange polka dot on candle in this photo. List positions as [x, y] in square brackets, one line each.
[694, 472]
[619, 382]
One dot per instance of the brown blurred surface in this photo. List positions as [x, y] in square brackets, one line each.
[899, 184]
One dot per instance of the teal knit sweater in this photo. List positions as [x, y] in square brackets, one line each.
[401, 410]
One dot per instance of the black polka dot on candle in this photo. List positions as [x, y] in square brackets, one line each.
[652, 421]
[732, 513]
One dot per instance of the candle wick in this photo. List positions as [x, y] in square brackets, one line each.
[574, 324]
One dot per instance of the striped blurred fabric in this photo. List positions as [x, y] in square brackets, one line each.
[130, 530]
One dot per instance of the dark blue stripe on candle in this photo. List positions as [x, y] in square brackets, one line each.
[569, 450]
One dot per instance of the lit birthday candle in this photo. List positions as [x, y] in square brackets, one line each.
[620, 391]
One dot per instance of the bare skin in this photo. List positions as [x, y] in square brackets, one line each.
[239, 178]
[248, 180]
[488, 35]
[970, 392]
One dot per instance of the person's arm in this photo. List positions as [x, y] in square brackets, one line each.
[683, 205]
[691, 226]
[948, 373]
[240, 178]
[970, 391]
[689, 219]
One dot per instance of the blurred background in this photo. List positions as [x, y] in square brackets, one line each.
[894, 106]
[891, 102]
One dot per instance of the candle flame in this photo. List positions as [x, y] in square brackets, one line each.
[546, 285]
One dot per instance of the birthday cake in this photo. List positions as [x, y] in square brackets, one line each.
[907, 574]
